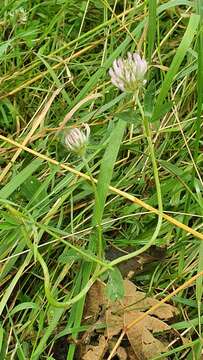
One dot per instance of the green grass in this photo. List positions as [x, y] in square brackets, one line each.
[55, 224]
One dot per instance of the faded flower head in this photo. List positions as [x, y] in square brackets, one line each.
[76, 139]
[128, 74]
[19, 15]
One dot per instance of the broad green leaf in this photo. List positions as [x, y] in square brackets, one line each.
[23, 306]
[30, 187]
[68, 256]
[115, 288]
[130, 116]
[19, 179]
[106, 170]
[174, 169]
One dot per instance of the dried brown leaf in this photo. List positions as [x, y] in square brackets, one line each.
[131, 354]
[164, 311]
[141, 337]
[96, 352]
[95, 300]
[132, 295]
[138, 301]
[114, 319]
[120, 314]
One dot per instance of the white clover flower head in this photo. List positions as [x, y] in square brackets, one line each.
[76, 139]
[128, 74]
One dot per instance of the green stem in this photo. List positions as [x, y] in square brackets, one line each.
[88, 256]
[47, 283]
[148, 134]
[98, 224]
[98, 270]
[25, 228]
[158, 189]
[159, 197]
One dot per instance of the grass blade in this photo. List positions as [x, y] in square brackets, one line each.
[105, 175]
[177, 60]
[19, 179]
[152, 4]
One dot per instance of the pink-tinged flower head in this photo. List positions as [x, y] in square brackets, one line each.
[76, 139]
[128, 74]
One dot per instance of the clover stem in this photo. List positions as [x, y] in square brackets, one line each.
[98, 223]
[148, 135]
